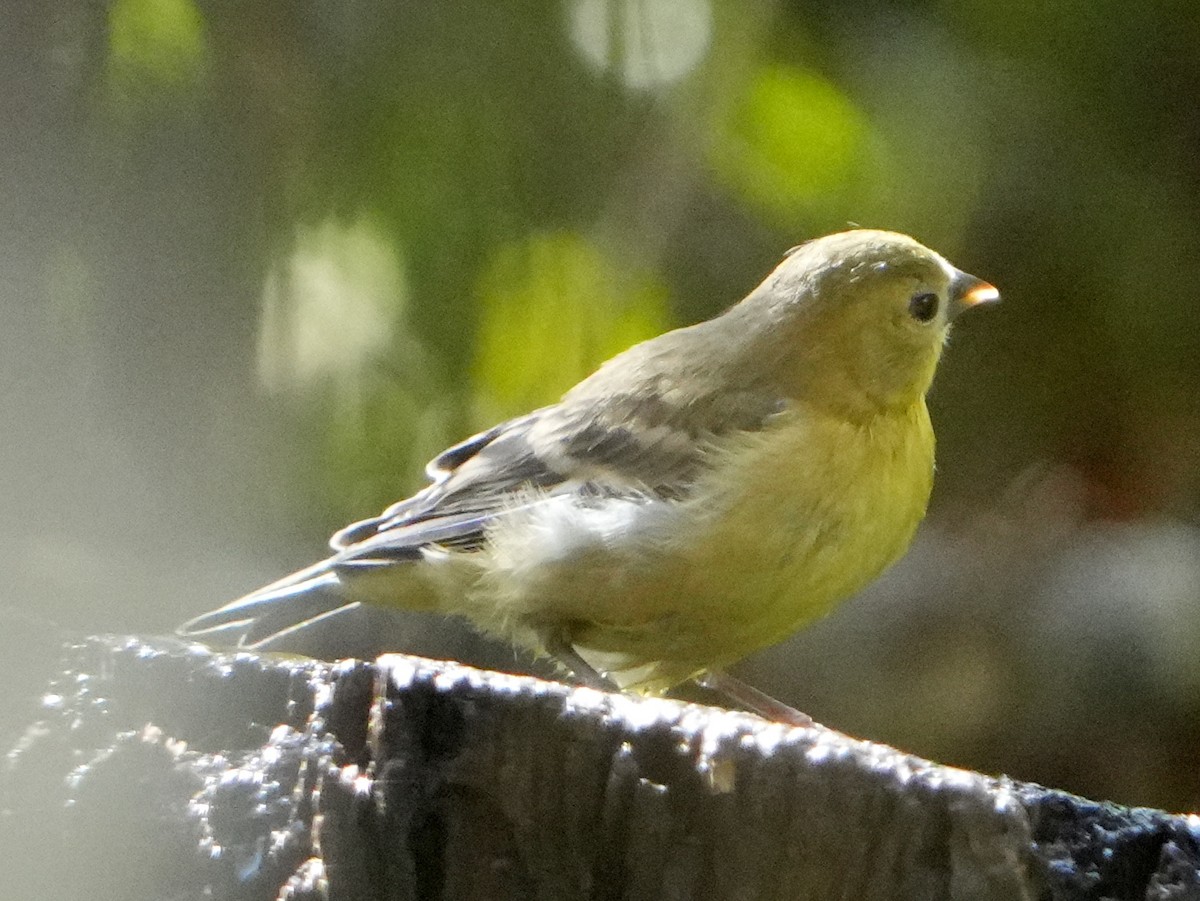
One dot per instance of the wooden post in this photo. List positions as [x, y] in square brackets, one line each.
[162, 770]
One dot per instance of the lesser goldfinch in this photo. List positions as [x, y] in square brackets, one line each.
[702, 495]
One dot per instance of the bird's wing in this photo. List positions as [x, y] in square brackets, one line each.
[621, 447]
[616, 446]
[471, 482]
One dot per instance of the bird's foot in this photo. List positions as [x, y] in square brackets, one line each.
[564, 652]
[747, 696]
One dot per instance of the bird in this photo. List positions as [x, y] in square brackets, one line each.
[702, 495]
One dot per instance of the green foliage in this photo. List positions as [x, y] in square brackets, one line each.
[157, 50]
[795, 143]
[553, 309]
[545, 186]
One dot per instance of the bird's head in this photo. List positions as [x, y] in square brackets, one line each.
[860, 317]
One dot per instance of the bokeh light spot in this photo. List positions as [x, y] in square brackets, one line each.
[795, 141]
[331, 307]
[154, 45]
[554, 308]
[644, 43]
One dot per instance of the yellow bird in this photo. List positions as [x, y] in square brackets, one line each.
[702, 495]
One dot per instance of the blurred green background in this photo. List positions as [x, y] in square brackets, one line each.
[260, 260]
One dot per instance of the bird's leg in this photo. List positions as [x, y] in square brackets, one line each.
[745, 695]
[561, 649]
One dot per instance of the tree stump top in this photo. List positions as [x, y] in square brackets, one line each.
[167, 770]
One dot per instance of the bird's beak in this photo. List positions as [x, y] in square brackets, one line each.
[967, 291]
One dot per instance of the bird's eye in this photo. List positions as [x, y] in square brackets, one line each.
[923, 307]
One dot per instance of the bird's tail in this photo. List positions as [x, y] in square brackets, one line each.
[272, 617]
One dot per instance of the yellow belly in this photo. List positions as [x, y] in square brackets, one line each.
[786, 524]
[798, 522]
[830, 506]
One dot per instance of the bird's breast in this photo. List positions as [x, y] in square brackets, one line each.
[785, 523]
[812, 510]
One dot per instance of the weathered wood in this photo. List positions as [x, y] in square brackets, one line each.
[166, 771]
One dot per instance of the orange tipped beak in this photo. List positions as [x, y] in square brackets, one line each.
[967, 291]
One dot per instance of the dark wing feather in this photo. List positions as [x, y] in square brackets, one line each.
[473, 481]
[624, 445]
[426, 503]
[452, 513]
